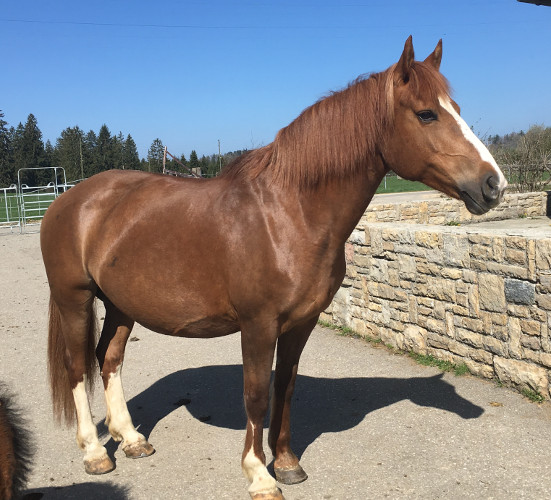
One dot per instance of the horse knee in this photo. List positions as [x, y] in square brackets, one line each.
[256, 403]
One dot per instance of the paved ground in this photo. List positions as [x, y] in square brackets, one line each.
[379, 199]
[367, 423]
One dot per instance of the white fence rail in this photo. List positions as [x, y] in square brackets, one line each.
[24, 205]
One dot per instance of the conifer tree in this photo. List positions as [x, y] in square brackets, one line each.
[131, 159]
[68, 153]
[104, 150]
[155, 156]
[6, 165]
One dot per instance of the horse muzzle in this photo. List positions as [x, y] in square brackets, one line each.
[481, 198]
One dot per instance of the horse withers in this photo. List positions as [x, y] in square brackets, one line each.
[259, 249]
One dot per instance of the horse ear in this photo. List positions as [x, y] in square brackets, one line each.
[436, 57]
[404, 64]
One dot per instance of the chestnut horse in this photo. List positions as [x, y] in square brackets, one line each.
[259, 249]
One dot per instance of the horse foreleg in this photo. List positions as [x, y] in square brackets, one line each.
[289, 348]
[258, 353]
[110, 354]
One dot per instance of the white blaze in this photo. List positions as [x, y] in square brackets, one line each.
[475, 141]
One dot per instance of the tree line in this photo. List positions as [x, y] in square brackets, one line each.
[525, 157]
[83, 154]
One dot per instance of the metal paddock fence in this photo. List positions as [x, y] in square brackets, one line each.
[24, 204]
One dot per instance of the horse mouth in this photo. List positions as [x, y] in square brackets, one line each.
[472, 205]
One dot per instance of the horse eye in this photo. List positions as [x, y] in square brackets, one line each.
[427, 116]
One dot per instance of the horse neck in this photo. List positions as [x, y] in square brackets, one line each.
[334, 208]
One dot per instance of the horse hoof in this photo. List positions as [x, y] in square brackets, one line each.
[99, 466]
[291, 476]
[277, 495]
[139, 450]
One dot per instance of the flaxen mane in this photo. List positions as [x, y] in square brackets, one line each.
[336, 136]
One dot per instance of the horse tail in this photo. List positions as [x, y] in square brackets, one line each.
[61, 390]
[16, 451]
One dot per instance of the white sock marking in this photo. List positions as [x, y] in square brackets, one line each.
[87, 436]
[256, 473]
[118, 419]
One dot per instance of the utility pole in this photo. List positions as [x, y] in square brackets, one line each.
[81, 160]
[219, 158]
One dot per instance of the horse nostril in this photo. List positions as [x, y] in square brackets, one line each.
[493, 182]
[490, 188]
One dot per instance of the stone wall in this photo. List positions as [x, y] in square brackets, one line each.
[444, 210]
[459, 294]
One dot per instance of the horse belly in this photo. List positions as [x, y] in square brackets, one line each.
[205, 328]
[182, 315]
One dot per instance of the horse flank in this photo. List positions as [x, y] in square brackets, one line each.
[337, 136]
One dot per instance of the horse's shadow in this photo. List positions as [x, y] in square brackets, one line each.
[82, 491]
[213, 394]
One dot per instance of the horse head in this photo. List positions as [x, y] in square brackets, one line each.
[431, 143]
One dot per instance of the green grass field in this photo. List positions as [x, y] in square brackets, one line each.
[396, 185]
[35, 205]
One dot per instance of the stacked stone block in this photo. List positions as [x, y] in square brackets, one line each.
[446, 211]
[483, 299]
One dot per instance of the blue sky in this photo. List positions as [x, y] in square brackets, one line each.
[193, 72]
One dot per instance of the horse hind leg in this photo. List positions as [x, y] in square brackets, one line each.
[71, 343]
[110, 354]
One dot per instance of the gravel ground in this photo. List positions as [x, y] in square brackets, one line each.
[367, 423]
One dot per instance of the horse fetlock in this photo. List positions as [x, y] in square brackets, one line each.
[115, 434]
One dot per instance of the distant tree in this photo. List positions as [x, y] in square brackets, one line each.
[68, 153]
[104, 151]
[6, 165]
[117, 151]
[28, 150]
[155, 156]
[49, 155]
[89, 154]
[131, 159]
[526, 158]
[193, 160]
